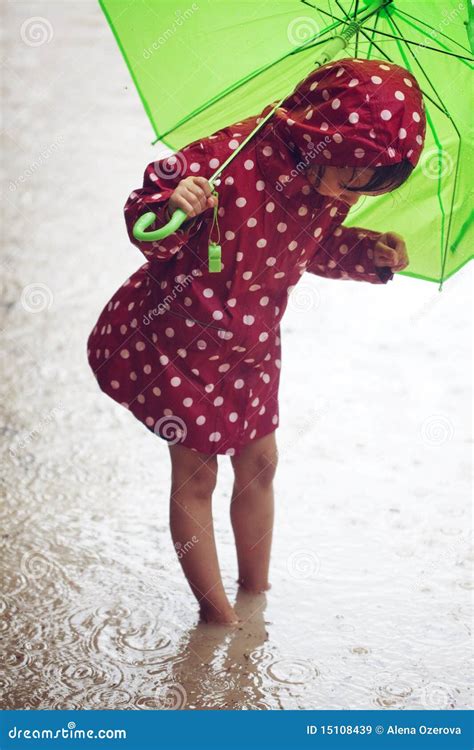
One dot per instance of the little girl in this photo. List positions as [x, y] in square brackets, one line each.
[196, 355]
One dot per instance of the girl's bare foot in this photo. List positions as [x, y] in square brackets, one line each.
[251, 588]
[211, 614]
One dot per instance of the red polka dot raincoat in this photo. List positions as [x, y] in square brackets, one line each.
[195, 355]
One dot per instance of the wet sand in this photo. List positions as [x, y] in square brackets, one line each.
[371, 586]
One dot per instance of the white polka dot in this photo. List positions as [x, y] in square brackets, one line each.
[372, 133]
[336, 103]
[292, 246]
[247, 275]
[233, 416]
[359, 153]
[217, 315]
[313, 85]
[195, 167]
[281, 227]
[327, 153]
[218, 401]
[233, 144]
[264, 301]
[407, 82]
[416, 116]
[391, 152]
[271, 261]
[231, 302]
[262, 242]
[260, 185]
[187, 402]
[240, 202]
[339, 72]
[270, 207]
[252, 222]
[317, 232]
[239, 383]
[385, 114]
[324, 126]
[229, 235]
[308, 115]
[376, 79]
[164, 359]
[263, 336]
[169, 332]
[337, 138]
[303, 210]
[115, 384]
[402, 133]
[248, 164]
[139, 346]
[208, 292]
[399, 95]
[125, 353]
[229, 181]
[384, 67]
[343, 249]
[267, 151]
[248, 320]
[353, 82]
[419, 140]
[214, 163]
[175, 382]
[200, 420]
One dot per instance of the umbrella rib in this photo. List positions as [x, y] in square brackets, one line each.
[444, 251]
[419, 20]
[373, 33]
[424, 46]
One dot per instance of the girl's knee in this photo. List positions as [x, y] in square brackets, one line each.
[258, 468]
[193, 474]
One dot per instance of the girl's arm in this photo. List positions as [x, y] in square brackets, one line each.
[160, 179]
[348, 253]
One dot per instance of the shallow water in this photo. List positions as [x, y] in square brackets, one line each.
[371, 585]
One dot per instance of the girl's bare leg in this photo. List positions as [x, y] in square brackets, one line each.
[193, 479]
[252, 510]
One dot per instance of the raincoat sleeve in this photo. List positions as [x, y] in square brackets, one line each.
[348, 253]
[160, 179]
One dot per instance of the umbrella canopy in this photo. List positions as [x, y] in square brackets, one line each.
[211, 64]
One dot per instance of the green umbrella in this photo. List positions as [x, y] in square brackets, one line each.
[202, 66]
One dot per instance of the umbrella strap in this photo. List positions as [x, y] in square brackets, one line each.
[214, 251]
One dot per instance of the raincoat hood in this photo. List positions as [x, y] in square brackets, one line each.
[353, 112]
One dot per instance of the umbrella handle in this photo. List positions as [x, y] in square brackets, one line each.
[145, 221]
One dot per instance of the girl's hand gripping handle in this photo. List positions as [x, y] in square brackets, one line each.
[192, 196]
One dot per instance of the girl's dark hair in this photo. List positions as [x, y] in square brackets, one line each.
[390, 177]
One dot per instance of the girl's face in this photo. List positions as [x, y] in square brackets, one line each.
[335, 180]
